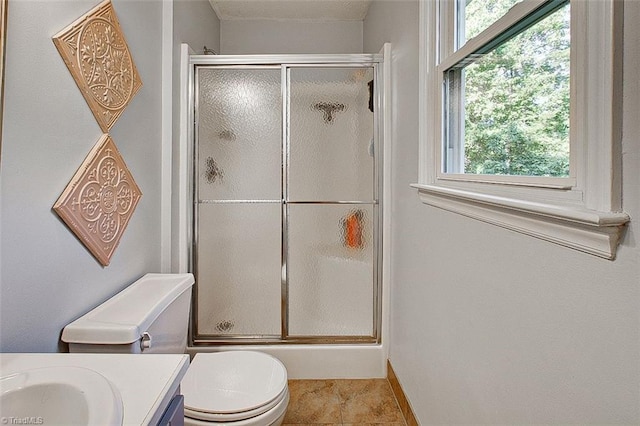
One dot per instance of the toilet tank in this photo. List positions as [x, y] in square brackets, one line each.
[149, 316]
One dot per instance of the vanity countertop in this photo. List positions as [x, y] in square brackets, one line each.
[146, 382]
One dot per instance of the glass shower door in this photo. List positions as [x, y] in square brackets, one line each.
[238, 207]
[331, 203]
[286, 213]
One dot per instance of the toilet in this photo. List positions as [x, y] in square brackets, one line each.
[235, 388]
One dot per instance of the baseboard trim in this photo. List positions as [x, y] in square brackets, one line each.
[403, 402]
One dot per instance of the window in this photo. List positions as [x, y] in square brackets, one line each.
[507, 110]
[520, 118]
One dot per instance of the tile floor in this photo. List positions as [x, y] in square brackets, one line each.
[342, 402]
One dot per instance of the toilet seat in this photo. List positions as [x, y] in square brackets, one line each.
[233, 386]
[260, 412]
[273, 417]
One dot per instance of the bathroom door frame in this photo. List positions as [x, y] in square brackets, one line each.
[186, 218]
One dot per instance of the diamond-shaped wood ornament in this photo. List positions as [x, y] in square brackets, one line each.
[96, 53]
[99, 200]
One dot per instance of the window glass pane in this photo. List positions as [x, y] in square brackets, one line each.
[516, 105]
[477, 15]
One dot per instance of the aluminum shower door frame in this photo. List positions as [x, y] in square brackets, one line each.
[286, 63]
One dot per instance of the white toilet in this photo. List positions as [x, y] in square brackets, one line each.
[242, 388]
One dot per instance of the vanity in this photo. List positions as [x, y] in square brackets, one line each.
[141, 390]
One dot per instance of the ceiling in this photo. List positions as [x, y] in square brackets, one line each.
[297, 10]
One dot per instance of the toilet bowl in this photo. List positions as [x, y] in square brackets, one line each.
[239, 388]
[235, 388]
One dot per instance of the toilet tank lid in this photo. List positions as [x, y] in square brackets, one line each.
[123, 318]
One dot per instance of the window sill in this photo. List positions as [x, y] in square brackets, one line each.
[594, 232]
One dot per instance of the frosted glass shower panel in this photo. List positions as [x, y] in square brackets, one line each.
[331, 134]
[331, 270]
[239, 269]
[239, 133]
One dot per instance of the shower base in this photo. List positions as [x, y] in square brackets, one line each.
[320, 361]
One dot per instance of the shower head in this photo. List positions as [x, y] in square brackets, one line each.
[207, 51]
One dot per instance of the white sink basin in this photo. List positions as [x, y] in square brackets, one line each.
[60, 396]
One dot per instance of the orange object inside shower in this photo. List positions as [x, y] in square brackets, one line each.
[353, 229]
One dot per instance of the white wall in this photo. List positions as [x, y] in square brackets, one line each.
[493, 327]
[196, 24]
[47, 277]
[269, 36]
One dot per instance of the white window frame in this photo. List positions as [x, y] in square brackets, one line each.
[583, 211]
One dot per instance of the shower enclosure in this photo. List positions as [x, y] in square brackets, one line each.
[286, 230]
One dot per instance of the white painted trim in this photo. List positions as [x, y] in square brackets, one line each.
[586, 217]
[184, 161]
[552, 211]
[599, 100]
[536, 181]
[426, 43]
[166, 162]
[292, 59]
[591, 232]
[387, 143]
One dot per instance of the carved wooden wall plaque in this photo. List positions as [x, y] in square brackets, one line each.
[96, 53]
[99, 200]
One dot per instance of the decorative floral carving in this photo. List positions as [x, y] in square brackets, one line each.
[97, 55]
[99, 200]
